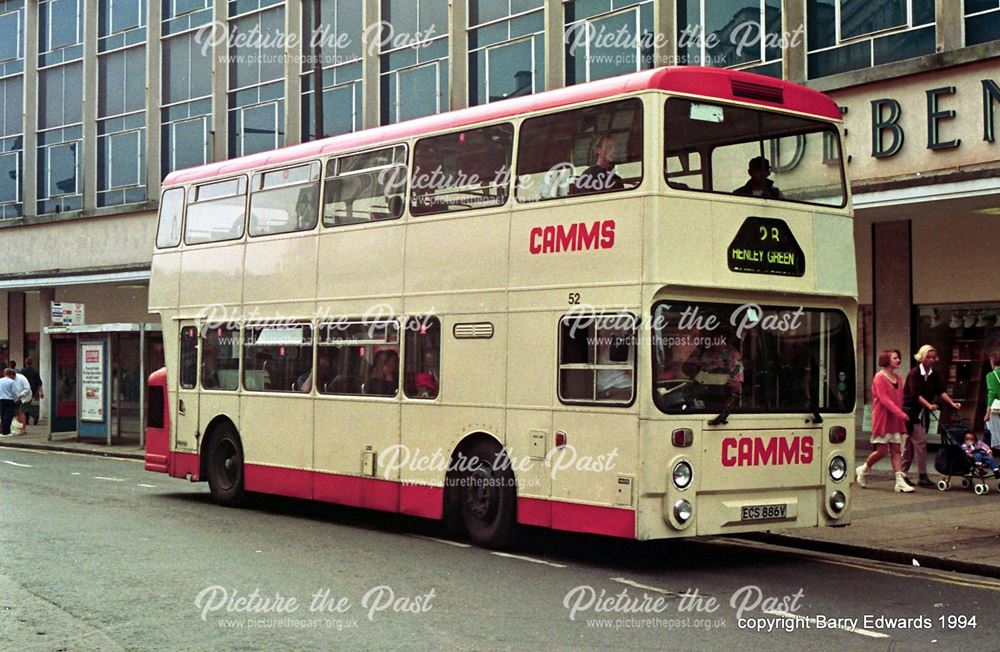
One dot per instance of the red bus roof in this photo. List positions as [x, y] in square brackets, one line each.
[717, 83]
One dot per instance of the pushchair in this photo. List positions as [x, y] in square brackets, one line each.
[951, 461]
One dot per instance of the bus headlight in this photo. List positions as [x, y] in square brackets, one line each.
[682, 475]
[838, 501]
[838, 468]
[682, 511]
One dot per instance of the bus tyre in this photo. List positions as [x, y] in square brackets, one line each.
[224, 466]
[487, 496]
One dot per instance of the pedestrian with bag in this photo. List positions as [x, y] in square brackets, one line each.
[888, 419]
[8, 394]
[925, 387]
[992, 417]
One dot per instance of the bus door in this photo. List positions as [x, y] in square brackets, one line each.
[185, 409]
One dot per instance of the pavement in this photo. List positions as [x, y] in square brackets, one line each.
[952, 530]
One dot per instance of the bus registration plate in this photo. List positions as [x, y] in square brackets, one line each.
[763, 512]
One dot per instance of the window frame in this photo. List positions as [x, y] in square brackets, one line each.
[194, 190]
[235, 331]
[347, 322]
[596, 367]
[433, 322]
[180, 221]
[181, 375]
[315, 178]
[334, 162]
[247, 344]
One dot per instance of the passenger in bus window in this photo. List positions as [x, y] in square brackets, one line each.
[600, 177]
[306, 209]
[385, 374]
[324, 374]
[426, 381]
[759, 169]
[209, 369]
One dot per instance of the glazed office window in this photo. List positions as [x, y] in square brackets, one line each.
[60, 31]
[365, 187]
[506, 49]
[462, 170]
[189, 357]
[422, 368]
[597, 358]
[358, 358]
[285, 200]
[341, 68]
[276, 358]
[181, 15]
[186, 101]
[844, 35]
[168, 233]
[604, 38]
[215, 211]
[60, 136]
[982, 21]
[121, 127]
[413, 59]
[256, 77]
[11, 24]
[743, 34]
[11, 143]
[557, 153]
[220, 358]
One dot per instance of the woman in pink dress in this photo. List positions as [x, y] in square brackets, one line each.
[888, 419]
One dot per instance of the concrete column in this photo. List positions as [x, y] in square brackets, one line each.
[153, 86]
[370, 67]
[555, 49]
[15, 326]
[665, 31]
[29, 171]
[793, 18]
[44, 363]
[90, 89]
[293, 66]
[892, 288]
[458, 56]
[220, 86]
[950, 28]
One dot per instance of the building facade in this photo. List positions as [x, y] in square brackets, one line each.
[100, 99]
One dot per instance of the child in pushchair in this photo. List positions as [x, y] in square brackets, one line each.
[962, 455]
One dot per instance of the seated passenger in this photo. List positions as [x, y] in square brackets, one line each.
[601, 176]
[385, 374]
[759, 169]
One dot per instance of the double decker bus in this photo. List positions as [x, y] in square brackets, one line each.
[626, 308]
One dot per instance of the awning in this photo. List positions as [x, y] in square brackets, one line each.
[34, 282]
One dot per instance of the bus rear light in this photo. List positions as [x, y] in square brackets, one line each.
[560, 439]
[682, 511]
[838, 434]
[838, 501]
[682, 437]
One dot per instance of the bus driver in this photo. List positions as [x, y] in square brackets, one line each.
[759, 169]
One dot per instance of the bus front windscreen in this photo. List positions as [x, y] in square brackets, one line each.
[729, 358]
[736, 150]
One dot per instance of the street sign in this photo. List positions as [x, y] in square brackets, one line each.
[67, 314]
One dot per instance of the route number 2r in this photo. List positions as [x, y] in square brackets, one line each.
[775, 235]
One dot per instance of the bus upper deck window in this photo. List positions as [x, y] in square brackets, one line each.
[168, 234]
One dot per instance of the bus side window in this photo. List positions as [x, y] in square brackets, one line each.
[285, 200]
[597, 359]
[365, 187]
[277, 359]
[359, 358]
[220, 359]
[422, 370]
[189, 357]
[684, 170]
[581, 151]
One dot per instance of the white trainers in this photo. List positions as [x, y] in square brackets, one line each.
[901, 485]
[859, 475]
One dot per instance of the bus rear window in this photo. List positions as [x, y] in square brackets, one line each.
[216, 211]
[168, 234]
[584, 151]
[462, 170]
[753, 153]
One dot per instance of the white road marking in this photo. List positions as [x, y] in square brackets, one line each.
[148, 486]
[101, 477]
[533, 561]
[457, 544]
[810, 619]
[645, 587]
[26, 466]
[75, 473]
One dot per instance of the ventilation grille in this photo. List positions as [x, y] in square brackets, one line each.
[753, 91]
[476, 331]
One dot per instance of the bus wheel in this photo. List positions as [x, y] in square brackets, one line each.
[487, 496]
[224, 466]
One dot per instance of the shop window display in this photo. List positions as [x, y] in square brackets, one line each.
[964, 336]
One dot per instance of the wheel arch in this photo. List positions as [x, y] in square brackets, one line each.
[217, 422]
